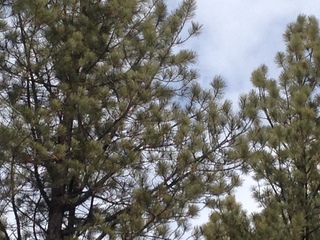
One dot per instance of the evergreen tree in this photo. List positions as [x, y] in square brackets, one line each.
[104, 134]
[229, 221]
[282, 147]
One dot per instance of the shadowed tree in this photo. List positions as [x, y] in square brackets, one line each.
[104, 135]
[282, 147]
[229, 221]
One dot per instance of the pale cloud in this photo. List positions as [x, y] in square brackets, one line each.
[237, 37]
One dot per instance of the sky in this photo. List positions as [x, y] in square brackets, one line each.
[237, 37]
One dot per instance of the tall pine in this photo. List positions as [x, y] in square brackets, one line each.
[282, 147]
[104, 133]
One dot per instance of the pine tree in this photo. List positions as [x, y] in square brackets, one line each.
[104, 133]
[229, 221]
[282, 147]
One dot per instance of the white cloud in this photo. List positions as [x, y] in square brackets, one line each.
[239, 35]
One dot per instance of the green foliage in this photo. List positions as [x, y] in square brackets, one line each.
[229, 222]
[105, 134]
[281, 147]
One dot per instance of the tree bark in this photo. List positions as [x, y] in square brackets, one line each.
[54, 231]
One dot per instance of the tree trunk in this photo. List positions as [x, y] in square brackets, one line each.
[56, 211]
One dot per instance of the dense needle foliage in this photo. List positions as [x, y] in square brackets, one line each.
[104, 133]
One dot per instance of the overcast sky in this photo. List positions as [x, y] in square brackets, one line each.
[238, 36]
